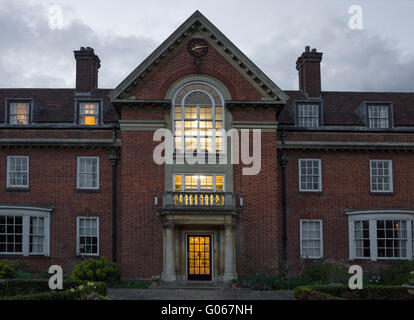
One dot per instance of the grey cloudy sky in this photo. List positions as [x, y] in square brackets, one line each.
[380, 57]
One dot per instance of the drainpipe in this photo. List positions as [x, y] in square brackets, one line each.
[283, 160]
[114, 157]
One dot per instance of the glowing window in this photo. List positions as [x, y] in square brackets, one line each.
[89, 114]
[19, 113]
[198, 112]
[199, 182]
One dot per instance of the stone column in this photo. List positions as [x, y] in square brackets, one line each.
[169, 268]
[228, 253]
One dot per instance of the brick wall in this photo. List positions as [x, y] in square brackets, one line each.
[345, 185]
[52, 182]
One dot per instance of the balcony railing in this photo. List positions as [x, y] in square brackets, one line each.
[198, 200]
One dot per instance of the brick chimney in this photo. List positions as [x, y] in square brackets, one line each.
[87, 65]
[309, 67]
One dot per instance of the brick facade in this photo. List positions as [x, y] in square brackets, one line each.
[142, 103]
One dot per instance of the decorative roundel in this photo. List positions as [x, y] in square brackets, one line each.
[197, 47]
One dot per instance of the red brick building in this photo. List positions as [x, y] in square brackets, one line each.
[79, 177]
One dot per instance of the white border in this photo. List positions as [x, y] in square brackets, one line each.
[321, 238]
[77, 237]
[8, 173]
[26, 213]
[78, 172]
[320, 175]
[391, 179]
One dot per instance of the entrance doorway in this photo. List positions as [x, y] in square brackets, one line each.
[199, 257]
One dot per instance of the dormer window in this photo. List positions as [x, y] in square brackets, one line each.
[89, 113]
[19, 113]
[378, 116]
[308, 115]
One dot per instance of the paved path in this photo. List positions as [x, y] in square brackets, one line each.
[197, 294]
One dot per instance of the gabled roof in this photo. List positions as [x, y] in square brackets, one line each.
[198, 22]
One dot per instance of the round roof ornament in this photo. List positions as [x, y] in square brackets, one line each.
[197, 47]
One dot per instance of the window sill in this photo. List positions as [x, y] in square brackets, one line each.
[11, 256]
[87, 190]
[17, 189]
[310, 193]
[382, 194]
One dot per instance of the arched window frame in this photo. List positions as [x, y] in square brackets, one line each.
[213, 106]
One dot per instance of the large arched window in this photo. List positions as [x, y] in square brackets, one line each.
[198, 113]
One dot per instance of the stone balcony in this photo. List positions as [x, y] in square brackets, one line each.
[199, 201]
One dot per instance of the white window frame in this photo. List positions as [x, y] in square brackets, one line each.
[78, 160]
[198, 183]
[26, 213]
[371, 119]
[8, 183]
[319, 176]
[391, 183]
[14, 104]
[320, 240]
[97, 115]
[373, 216]
[213, 106]
[78, 236]
[308, 118]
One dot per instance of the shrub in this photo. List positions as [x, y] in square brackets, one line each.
[130, 285]
[95, 270]
[22, 275]
[16, 287]
[396, 273]
[84, 291]
[323, 271]
[7, 270]
[265, 282]
[309, 293]
[343, 292]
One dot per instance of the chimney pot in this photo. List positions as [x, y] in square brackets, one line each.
[87, 65]
[307, 48]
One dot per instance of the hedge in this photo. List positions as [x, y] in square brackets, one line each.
[39, 290]
[370, 292]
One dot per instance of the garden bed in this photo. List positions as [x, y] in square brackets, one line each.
[370, 292]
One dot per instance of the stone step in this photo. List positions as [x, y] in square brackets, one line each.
[195, 285]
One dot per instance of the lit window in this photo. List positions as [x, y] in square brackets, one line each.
[19, 113]
[381, 175]
[308, 115]
[311, 239]
[310, 178]
[88, 236]
[381, 235]
[11, 234]
[17, 172]
[198, 119]
[199, 189]
[88, 173]
[378, 117]
[197, 182]
[89, 114]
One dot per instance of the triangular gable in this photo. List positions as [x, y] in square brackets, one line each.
[198, 22]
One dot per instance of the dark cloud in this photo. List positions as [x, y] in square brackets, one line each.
[353, 60]
[33, 55]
